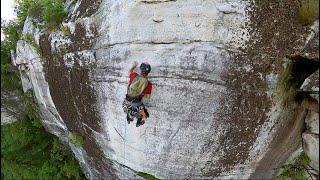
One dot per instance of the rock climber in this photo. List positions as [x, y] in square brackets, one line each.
[139, 88]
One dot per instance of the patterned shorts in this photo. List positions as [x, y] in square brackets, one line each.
[132, 108]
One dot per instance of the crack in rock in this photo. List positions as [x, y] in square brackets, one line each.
[220, 46]
[157, 20]
[156, 1]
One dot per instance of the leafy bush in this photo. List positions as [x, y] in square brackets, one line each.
[30, 110]
[76, 139]
[36, 9]
[10, 77]
[21, 8]
[308, 11]
[147, 176]
[297, 170]
[12, 33]
[51, 12]
[29, 152]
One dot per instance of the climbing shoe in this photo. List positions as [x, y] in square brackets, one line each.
[139, 123]
[129, 117]
[129, 120]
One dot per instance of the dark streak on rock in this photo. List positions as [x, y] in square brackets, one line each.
[247, 110]
[86, 9]
[80, 40]
[76, 103]
[75, 99]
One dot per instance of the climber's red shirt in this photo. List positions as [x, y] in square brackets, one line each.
[147, 90]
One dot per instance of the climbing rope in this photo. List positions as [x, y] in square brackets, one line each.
[124, 143]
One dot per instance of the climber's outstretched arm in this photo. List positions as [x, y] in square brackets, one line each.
[134, 65]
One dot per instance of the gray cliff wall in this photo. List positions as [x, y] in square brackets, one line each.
[215, 110]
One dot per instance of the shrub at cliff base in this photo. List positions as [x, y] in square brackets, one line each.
[29, 152]
[297, 170]
[76, 138]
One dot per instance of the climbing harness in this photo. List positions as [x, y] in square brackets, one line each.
[135, 110]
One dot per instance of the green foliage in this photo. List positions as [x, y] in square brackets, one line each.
[36, 9]
[303, 160]
[147, 176]
[51, 12]
[30, 110]
[296, 170]
[10, 77]
[289, 82]
[22, 145]
[76, 139]
[11, 32]
[308, 11]
[66, 166]
[22, 9]
[72, 170]
[29, 152]
[30, 40]
[6, 46]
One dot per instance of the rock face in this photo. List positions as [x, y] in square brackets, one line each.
[311, 147]
[214, 109]
[311, 135]
[312, 121]
[11, 108]
[311, 84]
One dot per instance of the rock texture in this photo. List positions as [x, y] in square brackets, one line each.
[311, 84]
[312, 121]
[311, 136]
[214, 110]
[311, 147]
[11, 108]
[310, 89]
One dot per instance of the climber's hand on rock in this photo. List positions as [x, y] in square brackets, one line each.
[134, 64]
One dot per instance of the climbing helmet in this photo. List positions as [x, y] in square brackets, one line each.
[145, 67]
